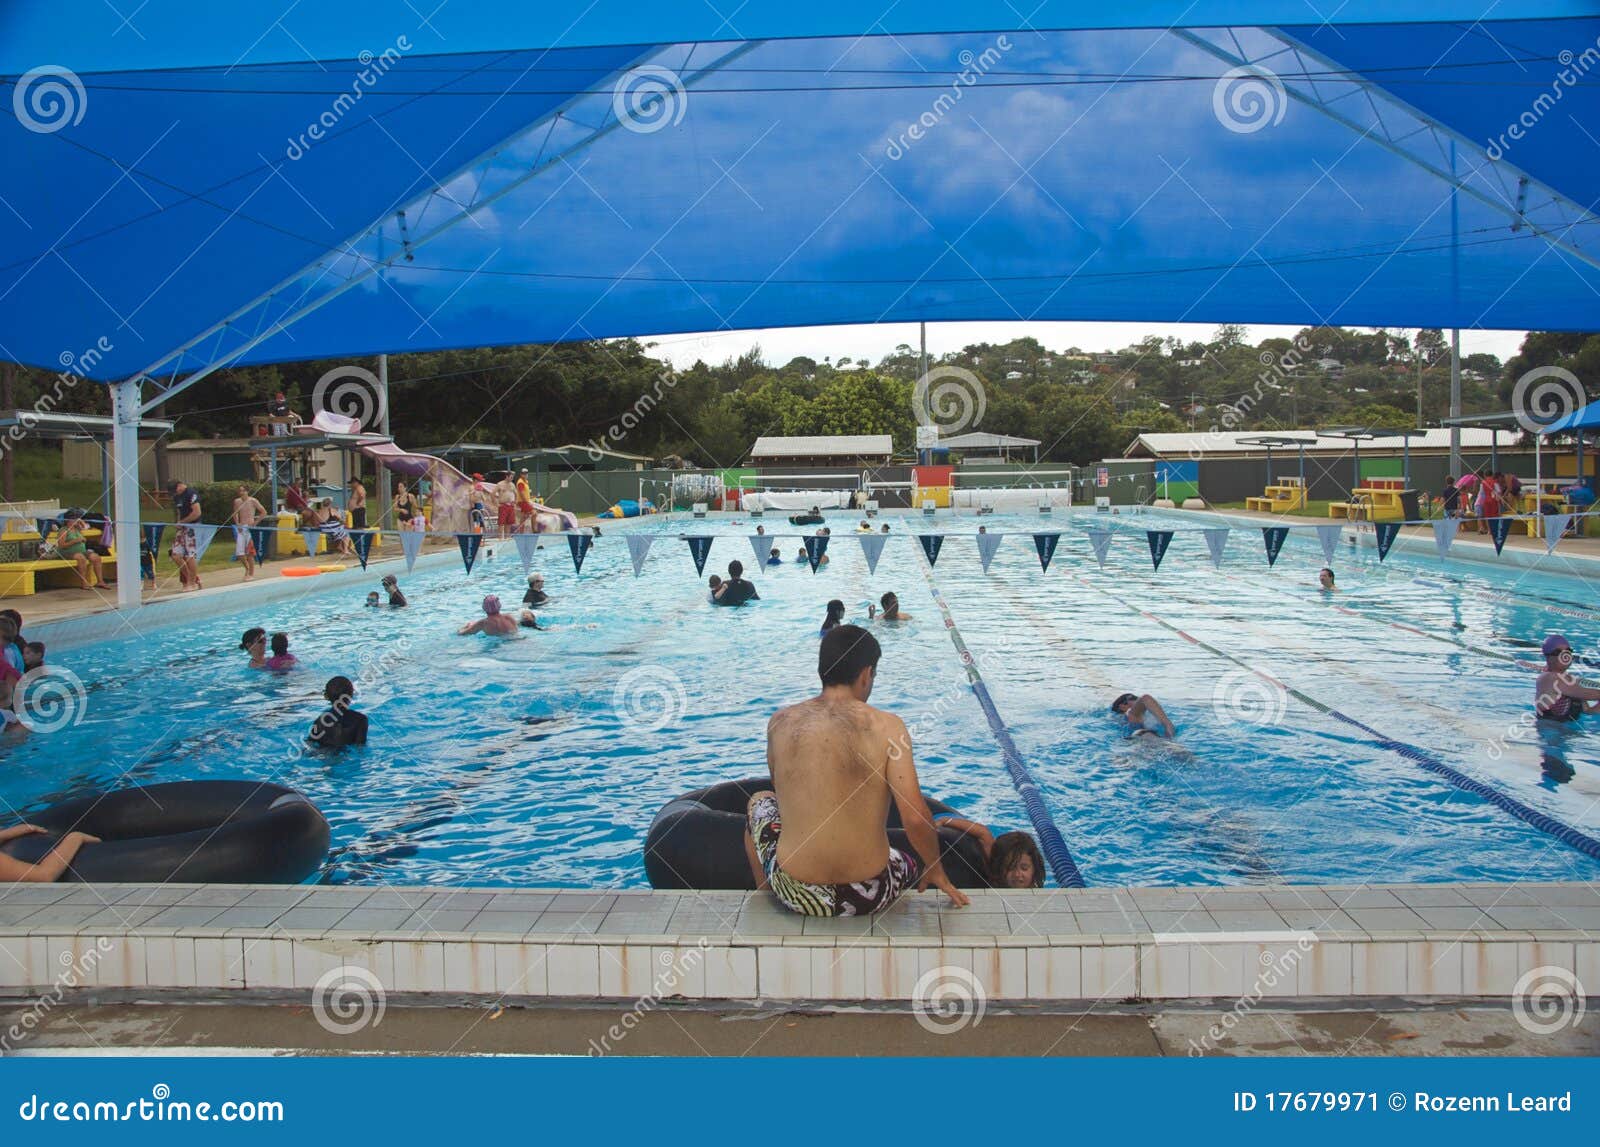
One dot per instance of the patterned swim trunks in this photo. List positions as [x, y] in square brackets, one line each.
[861, 898]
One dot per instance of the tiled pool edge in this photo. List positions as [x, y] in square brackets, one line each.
[1097, 946]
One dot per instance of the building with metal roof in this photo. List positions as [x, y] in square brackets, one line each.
[823, 450]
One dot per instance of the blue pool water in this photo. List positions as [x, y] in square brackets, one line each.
[541, 761]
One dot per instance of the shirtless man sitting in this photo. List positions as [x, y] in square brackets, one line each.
[836, 762]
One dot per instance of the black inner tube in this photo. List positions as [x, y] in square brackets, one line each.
[201, 832]
[697, 841]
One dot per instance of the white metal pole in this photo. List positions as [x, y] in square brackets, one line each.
[125, 450]
[385, 489]
[1455, 400]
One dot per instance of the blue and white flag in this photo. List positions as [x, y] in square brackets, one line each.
[470, 545]
[700, 550]
[638, 546]
[1329, 537]
[202, 539]
[987, 545]
[526, 545]
[152, 535]
[1272, 537]
[1101, 541]
[816, 546]
[1554, 526]
[261, 539]
[931, 544]
[312, 539]
[761, 545]
[579, 544]
[1159, 541]
[1216, 540]
[1444, 532]
[1045, 546]
[1387, 532]
[362, 541]
[1498, 529]
[872, 550]
[411, 545]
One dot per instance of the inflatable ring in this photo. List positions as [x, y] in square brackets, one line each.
[331, 569]
[806, 519]
[192, 832]
[697, 841]
[300, 571]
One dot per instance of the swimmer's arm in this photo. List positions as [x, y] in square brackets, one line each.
[914, 815]
[1568, 686]
[1149, 703]
[972, 828]
[17, 830]
[50, 866]
[470, 628]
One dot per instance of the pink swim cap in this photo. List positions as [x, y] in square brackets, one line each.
[491, 605]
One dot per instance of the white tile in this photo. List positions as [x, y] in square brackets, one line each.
[219, 962]
[314, 960]
[838, 973]
[169, 961]
[1325, 970]
[1377, 968]
[1163, 971]
[731, 973]
[1586, 966]
[1433, 968]
[625, 971]
[468, 968]
[1110, 973]
[889, 973]
[1007, 977]
[1217, 971]
[784, 973]
[1055, 973]
[519, 969]
[270, 964]
[22, 959]
[418, 966]
[1276, 971]
[1488, 968]
[1531, 956]
[573, 970]
[679, 971]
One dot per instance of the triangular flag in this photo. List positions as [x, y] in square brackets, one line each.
[1329, 537]
[362, 541]
[1272, 537]
[872, 550]
[761, 545]
[1387, 532]
[1045, 545]
[1101, 541]
[202, 538]
[526, 545]
[45, 525]
[816, 546]
[1499, 528]
[1554, 526]
[470, 544]
[311, 538]
[1444, 532]
[1159, 541]
[411, 544]
[638, 546]
[931, 544]
[152, 536]
[1216, 538]
[260, 537]
[579, 544]
[987, 545]
[699, 549]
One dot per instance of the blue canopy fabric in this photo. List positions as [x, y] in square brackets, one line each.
[1585, 417]
[799, 169]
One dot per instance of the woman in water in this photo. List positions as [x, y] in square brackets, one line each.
[254, 643]
[835, 615]
[1144, 716]
[1560, 696]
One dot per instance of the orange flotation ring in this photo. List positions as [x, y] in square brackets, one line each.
[300, 571]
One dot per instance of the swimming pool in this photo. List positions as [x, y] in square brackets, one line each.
[541, 761]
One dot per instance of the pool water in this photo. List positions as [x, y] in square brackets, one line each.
[540, 762]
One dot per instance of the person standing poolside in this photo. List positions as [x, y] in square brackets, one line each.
[246, 513]
[836, 764]
[1144, 716]
[357, 504]
[1559, 696]
[525, 509]
[407, 510]
[185, 512]
[505, 499]
[493, 622]
[890, 610]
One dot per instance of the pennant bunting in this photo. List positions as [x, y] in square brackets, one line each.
[579, 544]
[1216, 539]
[526, 545]
[152, 536]
[1329, 537]
[311, 538]
[1444, 532]
[761, 545]
[988, 544]
[45, 525]
[931, 544]
[1387, 532]
[1101, 541]
[1499, 528]
[872, 550]
[699, 549]
[638, 546]
[1554, 526]
[470, 545]
[411, 545]
[260, 538]
[1272, 537]
[202, 538]
[1045, 546]
[1159, 541]
[362, 541]
[816, 547]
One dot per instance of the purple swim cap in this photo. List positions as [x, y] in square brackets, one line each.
[491, 605]
[1554, 642]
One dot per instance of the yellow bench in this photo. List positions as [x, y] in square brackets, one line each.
[1278, 499]
[24, 579]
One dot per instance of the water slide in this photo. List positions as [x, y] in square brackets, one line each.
[451, 502]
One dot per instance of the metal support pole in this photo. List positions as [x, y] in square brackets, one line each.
[1405, 454]
[1455, 400]
[385, 482]
[125, 444]
[272, 471]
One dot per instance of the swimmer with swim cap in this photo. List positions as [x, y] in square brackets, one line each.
[1325, 580]
[1559, 696]
[1144, 716]
[493, 622]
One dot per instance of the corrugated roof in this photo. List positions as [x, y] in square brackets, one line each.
[1201, 443]
[981, 440]
[806, 446]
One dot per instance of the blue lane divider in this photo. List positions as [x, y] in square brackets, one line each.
[1051, 842]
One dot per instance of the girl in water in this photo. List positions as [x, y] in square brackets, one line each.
[835, 615]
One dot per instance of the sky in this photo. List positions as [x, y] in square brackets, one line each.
[873, 341]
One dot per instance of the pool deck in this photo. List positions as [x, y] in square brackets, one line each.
[1095, 947]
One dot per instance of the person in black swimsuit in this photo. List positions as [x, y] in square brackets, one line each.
[340, 725]
[1560, 696]
[736, 591]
